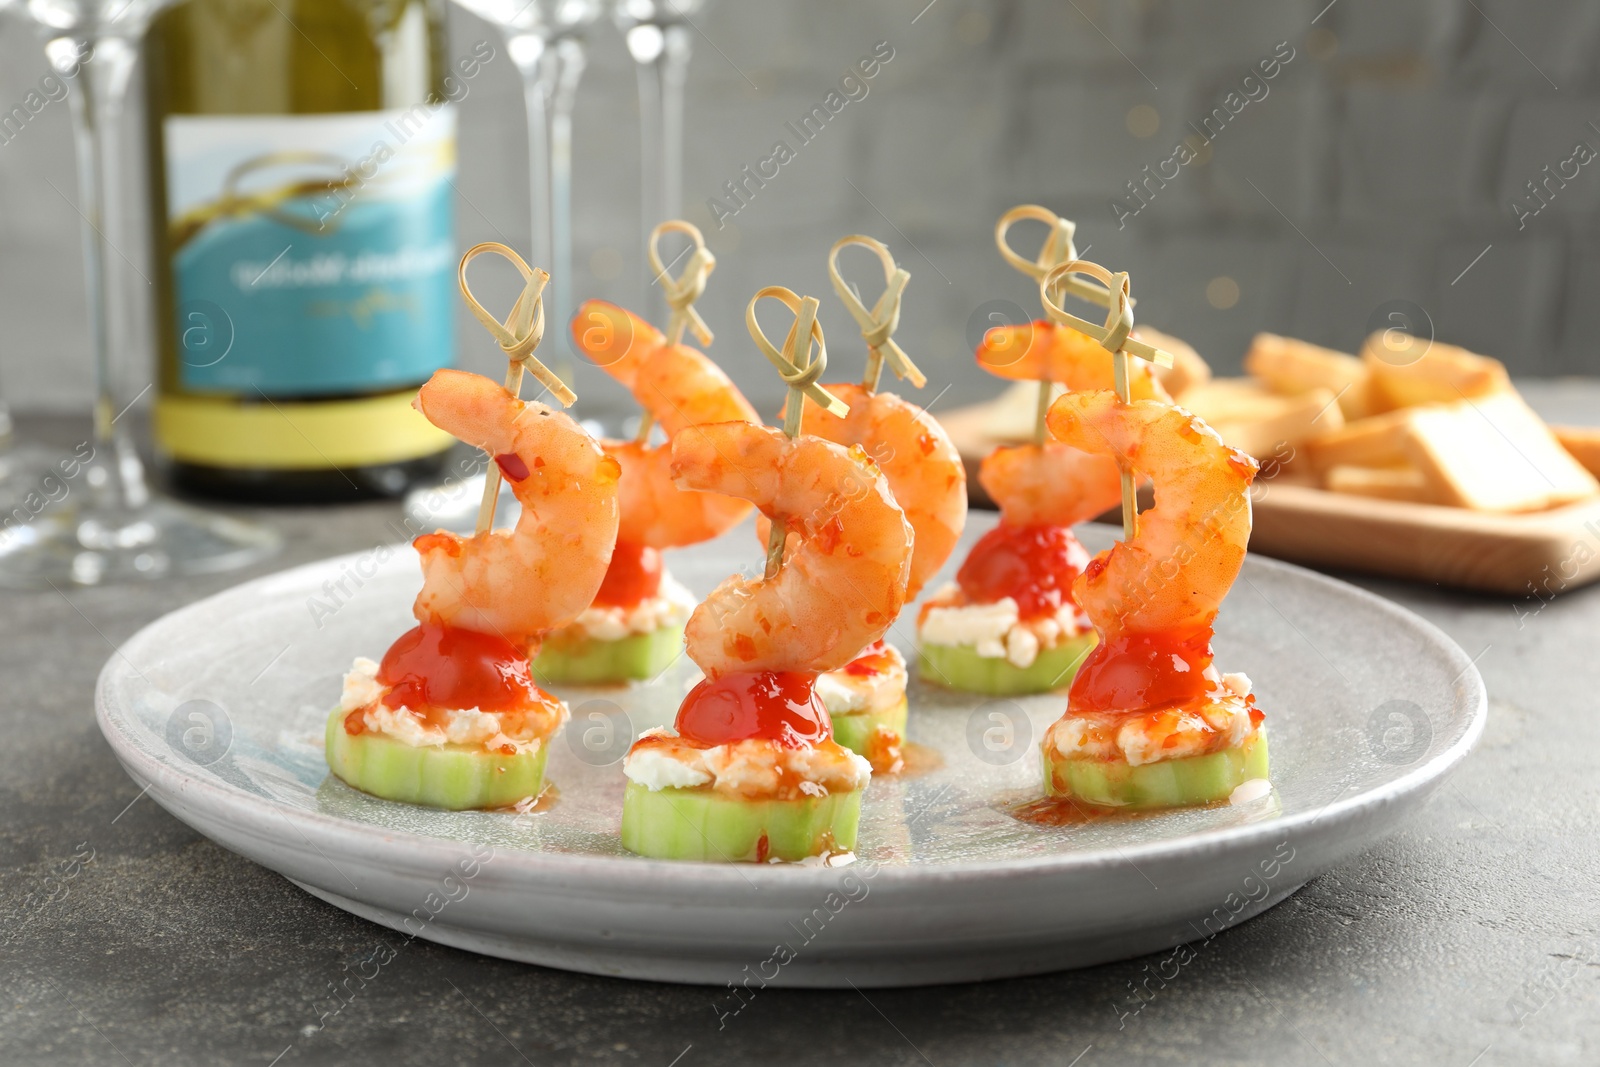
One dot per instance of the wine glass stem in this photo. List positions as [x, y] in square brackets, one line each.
[674, 71]
[651, 163]
[661, 81]
[571, 57]
[96, 112]
[536, 98]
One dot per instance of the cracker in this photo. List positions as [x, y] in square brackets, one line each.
[1494, 454]
[1290, 366]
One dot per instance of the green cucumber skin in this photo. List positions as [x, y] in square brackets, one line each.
[587, 661]
[701, 824]
[855, 730]
[960, 667]
[452, 777]
[1178, 783]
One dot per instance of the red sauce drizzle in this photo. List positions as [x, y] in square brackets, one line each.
[435, 668]
[448, 543]
[1133, 671]
[874, 659]
[512, 466]
[776, 706]
[633, 576]
[1034, 565]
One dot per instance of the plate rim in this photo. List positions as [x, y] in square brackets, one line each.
[385, 844]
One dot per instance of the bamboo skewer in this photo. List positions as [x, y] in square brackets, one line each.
[879, 324]
[680, 293]
[1113, 337]
[518, 336]
[683, 291]
[1058, 248]
[800, 371]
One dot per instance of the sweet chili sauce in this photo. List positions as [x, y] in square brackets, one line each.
[1127, 672]
[633, 576]
[432, 669]
[1033, 565]
[874, 659]
[778, 706]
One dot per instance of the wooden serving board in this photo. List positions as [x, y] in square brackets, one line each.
[1535, 556]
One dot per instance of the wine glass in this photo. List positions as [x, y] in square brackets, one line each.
[28, 472]
[545, 41]
[24, 467]
[658, 35]
[107, 526]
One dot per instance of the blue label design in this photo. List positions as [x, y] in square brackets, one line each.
[298, 291]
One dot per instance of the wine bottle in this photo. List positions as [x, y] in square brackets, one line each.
[302, 155]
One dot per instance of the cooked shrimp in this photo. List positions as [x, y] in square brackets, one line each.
[680, 388]
[656, 512]
[916, 456]
[1170, 578]
[524, 582]
[1050, 484]
[1048, 351]
[844, 573]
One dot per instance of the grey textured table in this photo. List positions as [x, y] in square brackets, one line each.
[1470, 938]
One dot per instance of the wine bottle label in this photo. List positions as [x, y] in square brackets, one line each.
[312, 255]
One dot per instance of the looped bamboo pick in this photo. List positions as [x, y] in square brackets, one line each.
[1058, 249]
[682, 292]
[1113, 337]
[800, 371]
[797, 366]
[879, 324]
[518, 335]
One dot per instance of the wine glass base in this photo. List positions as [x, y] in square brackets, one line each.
[103, 546]
[29, 476]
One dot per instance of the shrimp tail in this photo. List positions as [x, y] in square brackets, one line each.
[614, 339]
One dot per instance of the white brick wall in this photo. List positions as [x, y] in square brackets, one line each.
[1393, 143]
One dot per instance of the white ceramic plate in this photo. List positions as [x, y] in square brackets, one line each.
[219, 709]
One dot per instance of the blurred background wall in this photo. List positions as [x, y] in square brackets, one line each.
[1382, 163]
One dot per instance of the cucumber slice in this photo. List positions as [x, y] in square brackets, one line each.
[1168, 784]
[454, 777]
[877, 735]
[576, 659]
[960, 667]
[702, 824]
